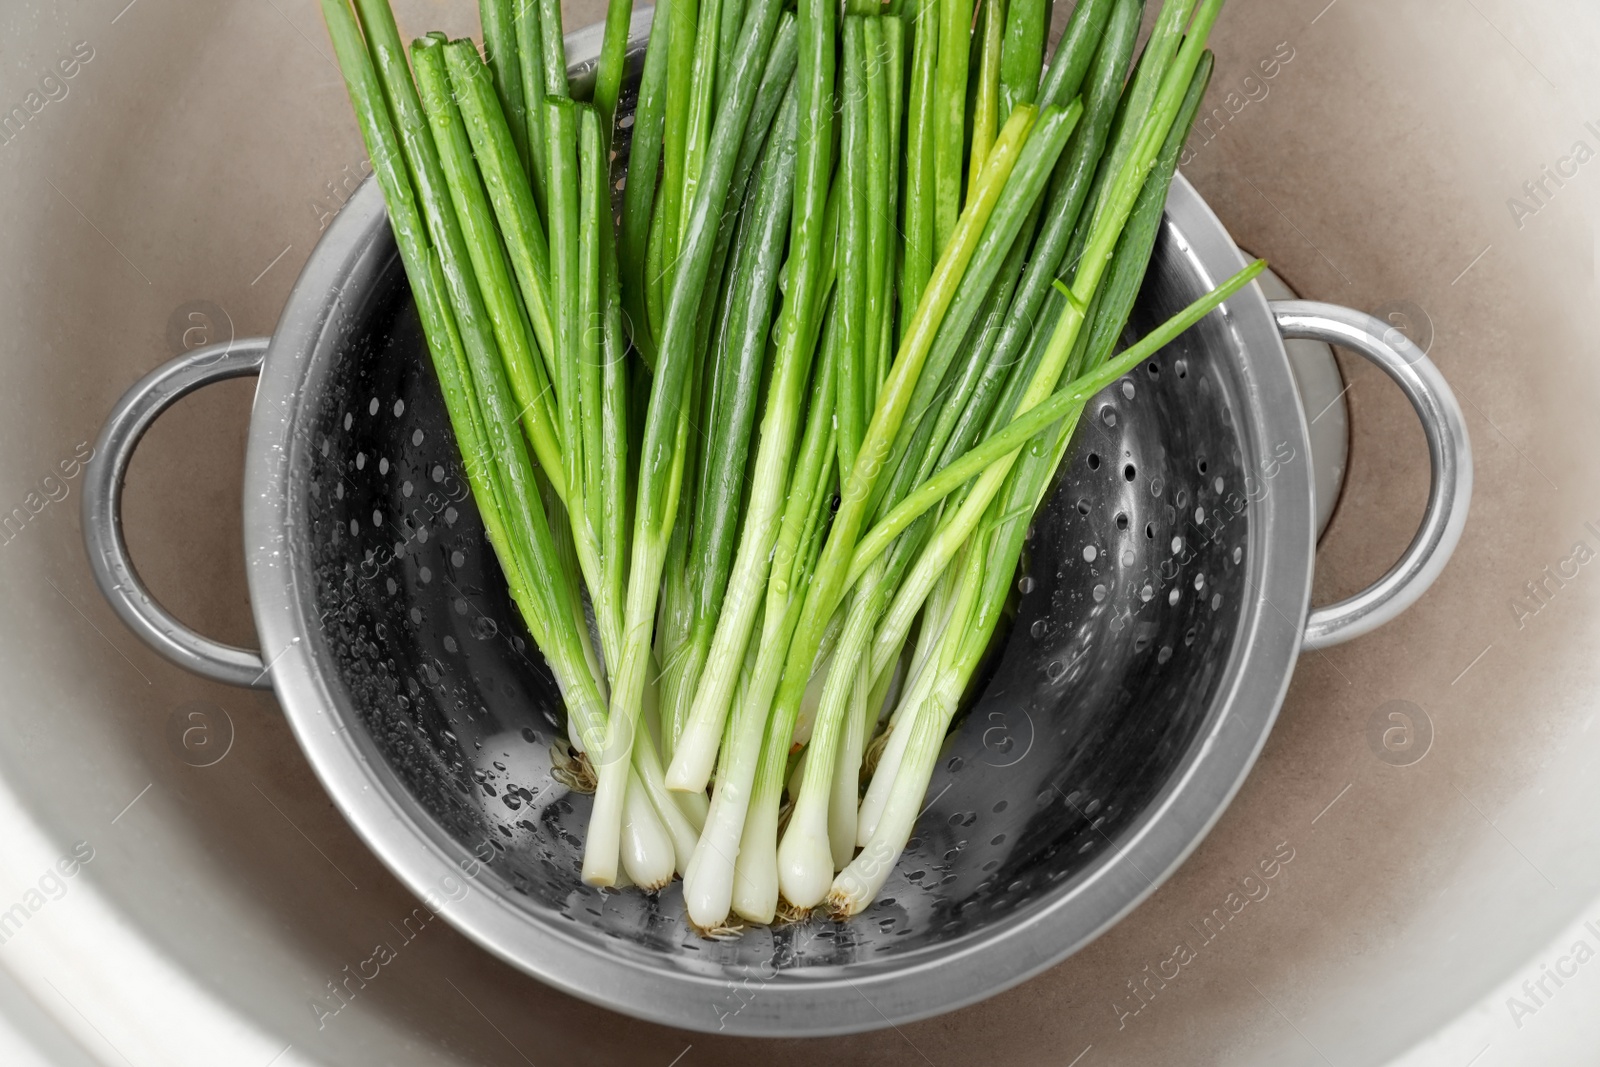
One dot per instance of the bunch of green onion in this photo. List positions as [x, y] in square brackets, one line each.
[758, 452]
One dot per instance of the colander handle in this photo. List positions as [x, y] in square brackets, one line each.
[113, 568]
[1449, 456]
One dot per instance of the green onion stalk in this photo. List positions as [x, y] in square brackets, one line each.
[897, 790]
[888, 130]
[742, 348]
[919, 251]
[472, 377]
[1135, 204]
[709, 883]
[814, 214]
[757, 856]
[697, 562]
[1094, 54]
[850, 407]
[1022, 54]
[508, 321]
[500, 52]
[985, 117]
[702, 96]
[577, 303]
[948, 115]
[661, 457]
[805, 858]
[1110, 219]
[639, 190]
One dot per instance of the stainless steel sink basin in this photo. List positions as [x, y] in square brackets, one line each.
[1425, 791]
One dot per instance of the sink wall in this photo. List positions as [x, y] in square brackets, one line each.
[187, 171]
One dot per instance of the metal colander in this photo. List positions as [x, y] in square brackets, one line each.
[1162, 599]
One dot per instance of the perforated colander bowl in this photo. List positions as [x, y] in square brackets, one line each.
[1164, 599]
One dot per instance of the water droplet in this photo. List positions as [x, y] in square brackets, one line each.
[1127, 557]
[399, 408]
[1172, 597]
[1039, 629]
[416, 437]
[383, 465]
[1238, 554]
[1216, 601]
[1146, 592]
[361, 460]
[1025, 585]
[1199, 582]
[1199, 514]
[1127, 388]
[1177, 545]
[1089, 553]
[1099, 593]
[1165, 654]
[372, 408]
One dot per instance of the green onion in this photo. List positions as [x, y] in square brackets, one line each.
[508, 186]
[530, 57]
[949, 118]
[985, 118]
[500, 51]
[488, 262]
[639, 190]
[850, 408]
[666, 424]
[916, 261]
[798, 327]
[612, 64]
[1022, 53]
[918, 367]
